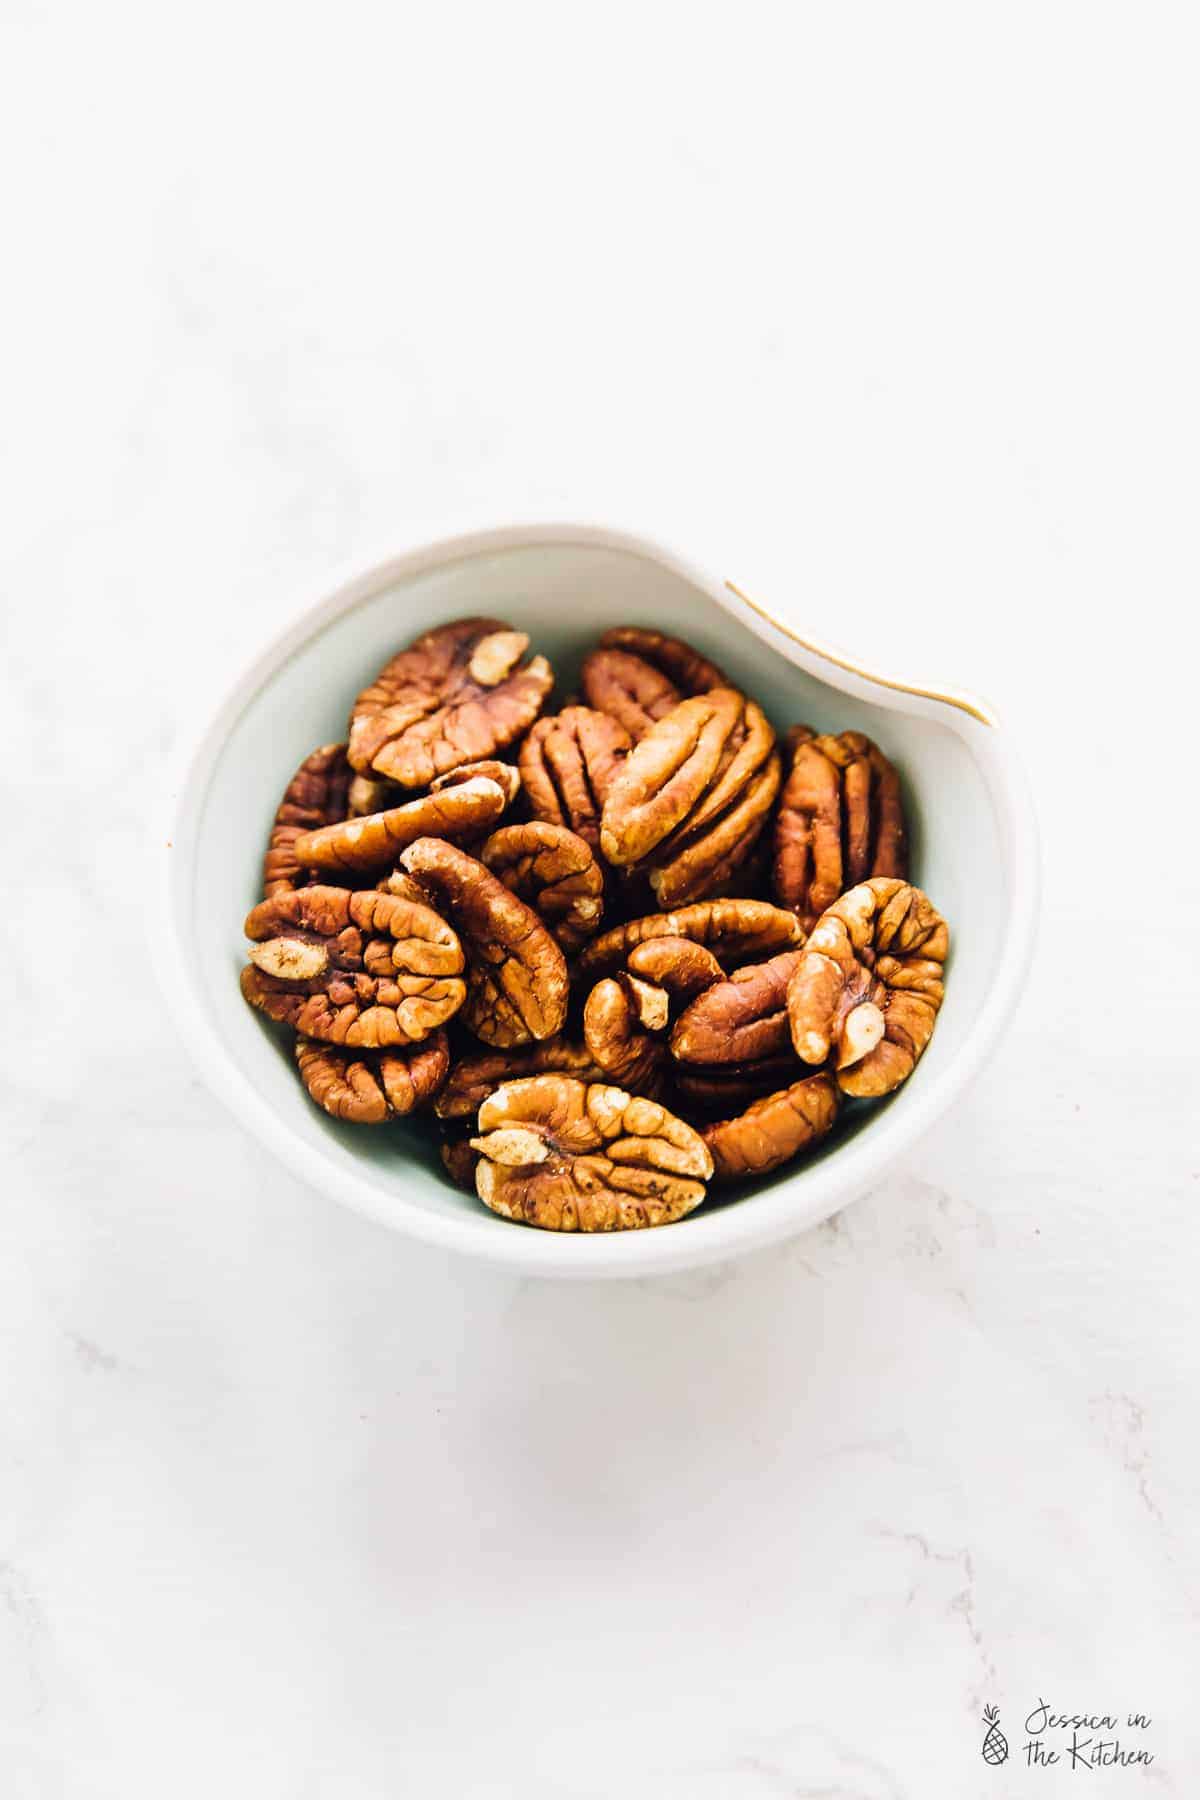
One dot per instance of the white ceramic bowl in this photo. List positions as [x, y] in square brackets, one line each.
[973, 840]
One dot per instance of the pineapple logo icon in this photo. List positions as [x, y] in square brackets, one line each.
[995, 1744]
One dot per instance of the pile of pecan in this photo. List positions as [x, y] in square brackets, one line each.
[612, 954]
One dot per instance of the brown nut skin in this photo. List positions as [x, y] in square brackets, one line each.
[568, 1156]
[368, 844]
[716, 858]
[866, 992]
[367, 970]
[677, 964]
[840, 820]
[773, 1130]
[375, 1085]
[517, 986]
[626, 1015]
[740, 1019]
[623, 1022]
[473, 1078]
[401, 883]
[459, 1161]
[693, 796]
[317, 794]
[638, 676]
[456, 695]
[506, 776]
[568, 762]
[669, 774]
[745, 751]
[719, 1090]
[735, 931]
[553, 871]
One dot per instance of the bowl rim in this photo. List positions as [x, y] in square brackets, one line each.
[764, 1218]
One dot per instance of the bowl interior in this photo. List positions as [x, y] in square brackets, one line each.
[564, 594]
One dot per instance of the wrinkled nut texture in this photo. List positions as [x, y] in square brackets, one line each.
[670, 774]
[690, 672]
[867, 989]
[459, 1160]
[368, 844]
[506, 776]
[457, 695]
[740, 1019]
[568, 762]
[719, 859]
[317, 794]
[555, 873]
[735, 931]
[375, 1085]
[401, 883]
[639, 676]
[718, 1090]
[693, 795]
[566, 1155]
[775, 1129]
[473, 1078]
[736, 873]
[626, 1015]
[679, 966]
[368, 970]
[840, 820]
[623, 1022]
[517, 985]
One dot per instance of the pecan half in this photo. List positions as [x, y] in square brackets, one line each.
[568, 1156]
[375, 1085]
[736, 931]
[473, 1078]
[316, 795]
[554, 872]
[568, 763]
[462, 810]
[840, 820]
[623, 1023]
[516, 973]
[868, 986]
[773, 1130]
[456, 695]
[368, 970]
[639, 676]
[360, 969]
[693, 795]
[740, 1019]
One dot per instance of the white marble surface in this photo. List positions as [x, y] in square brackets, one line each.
[900, 304]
